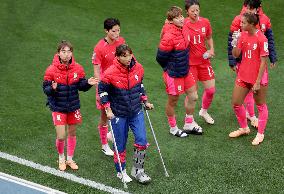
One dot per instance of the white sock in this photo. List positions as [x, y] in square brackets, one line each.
[203, 110]
[61, 157]
[69, 157]
[174, 129]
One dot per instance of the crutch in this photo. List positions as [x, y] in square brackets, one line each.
[118, 157]
[166, 172]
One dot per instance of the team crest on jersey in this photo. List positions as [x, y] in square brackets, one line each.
[265, 46]
[254, 46]
[136, 77]
[179, 88]
[75, 75]
[203, 29]
[262, 27]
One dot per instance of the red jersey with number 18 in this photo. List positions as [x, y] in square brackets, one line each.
[253, 47]
[199, 31]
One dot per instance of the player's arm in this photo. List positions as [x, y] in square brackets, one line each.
[271, 47]
[262, 68]
[103, 90]
[210, 44]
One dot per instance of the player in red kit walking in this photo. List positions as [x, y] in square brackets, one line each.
[200, 66]
[63, 80]
[103, 56]
[253, 45]
[252, 6]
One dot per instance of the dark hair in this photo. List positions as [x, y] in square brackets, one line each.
[110, 22]
[64, 43]
[245, 2]
[189, 3]
[122, 49]
[254, 4]
[174, 12]
[252, 18]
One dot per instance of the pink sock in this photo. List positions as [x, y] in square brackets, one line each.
[103, 129]
[241, 115]
[249, 103]
[207, 97]
[188, 118]
[71, 145]
[172, 121]
[262, 117]
[60, 143]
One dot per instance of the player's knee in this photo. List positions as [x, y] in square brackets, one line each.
[210, 91]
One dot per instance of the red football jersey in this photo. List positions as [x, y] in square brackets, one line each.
[253, 47]
[264, 23]
[198, 31]
[104, 53]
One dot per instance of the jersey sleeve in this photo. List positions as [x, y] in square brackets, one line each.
[263, 45]
[209, 29]
[97, 56]
[235, 26]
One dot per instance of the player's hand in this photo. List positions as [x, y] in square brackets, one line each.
[149, 106]
[256, 87]
[109, 113]
[54, 85]
[93, 81]
[272, 65]
[236, 34]
[234, 42]
[211, 53]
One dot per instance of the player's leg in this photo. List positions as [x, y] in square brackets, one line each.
[249, 105]
[59, 120]
[207, 77]
[190, 126]
[239, 93]
[120, 127]
[260, 100]
[137, 124]
[174, 88]
[103, 130]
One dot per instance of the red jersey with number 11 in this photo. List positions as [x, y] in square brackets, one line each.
[199, 32]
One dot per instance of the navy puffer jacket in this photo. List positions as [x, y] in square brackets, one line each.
[69, 80]
[173, 51]
[122, 89]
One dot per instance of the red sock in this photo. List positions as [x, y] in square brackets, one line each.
[241, 115]
[262, 117]
[249, 103]
[60, 143]
[103, 129]
[172, 121]
[71, 145]
[188, 118]
[207, 97]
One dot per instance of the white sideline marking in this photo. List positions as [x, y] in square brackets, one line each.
[59, 173]
[28, 184]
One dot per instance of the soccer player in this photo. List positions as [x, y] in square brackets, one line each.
[252, 6]
[121, 93]
[62, 80]
[102, 59]
[199, 57]
[172, 55]
[251, 76]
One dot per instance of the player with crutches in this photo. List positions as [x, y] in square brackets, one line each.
[121, 92]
